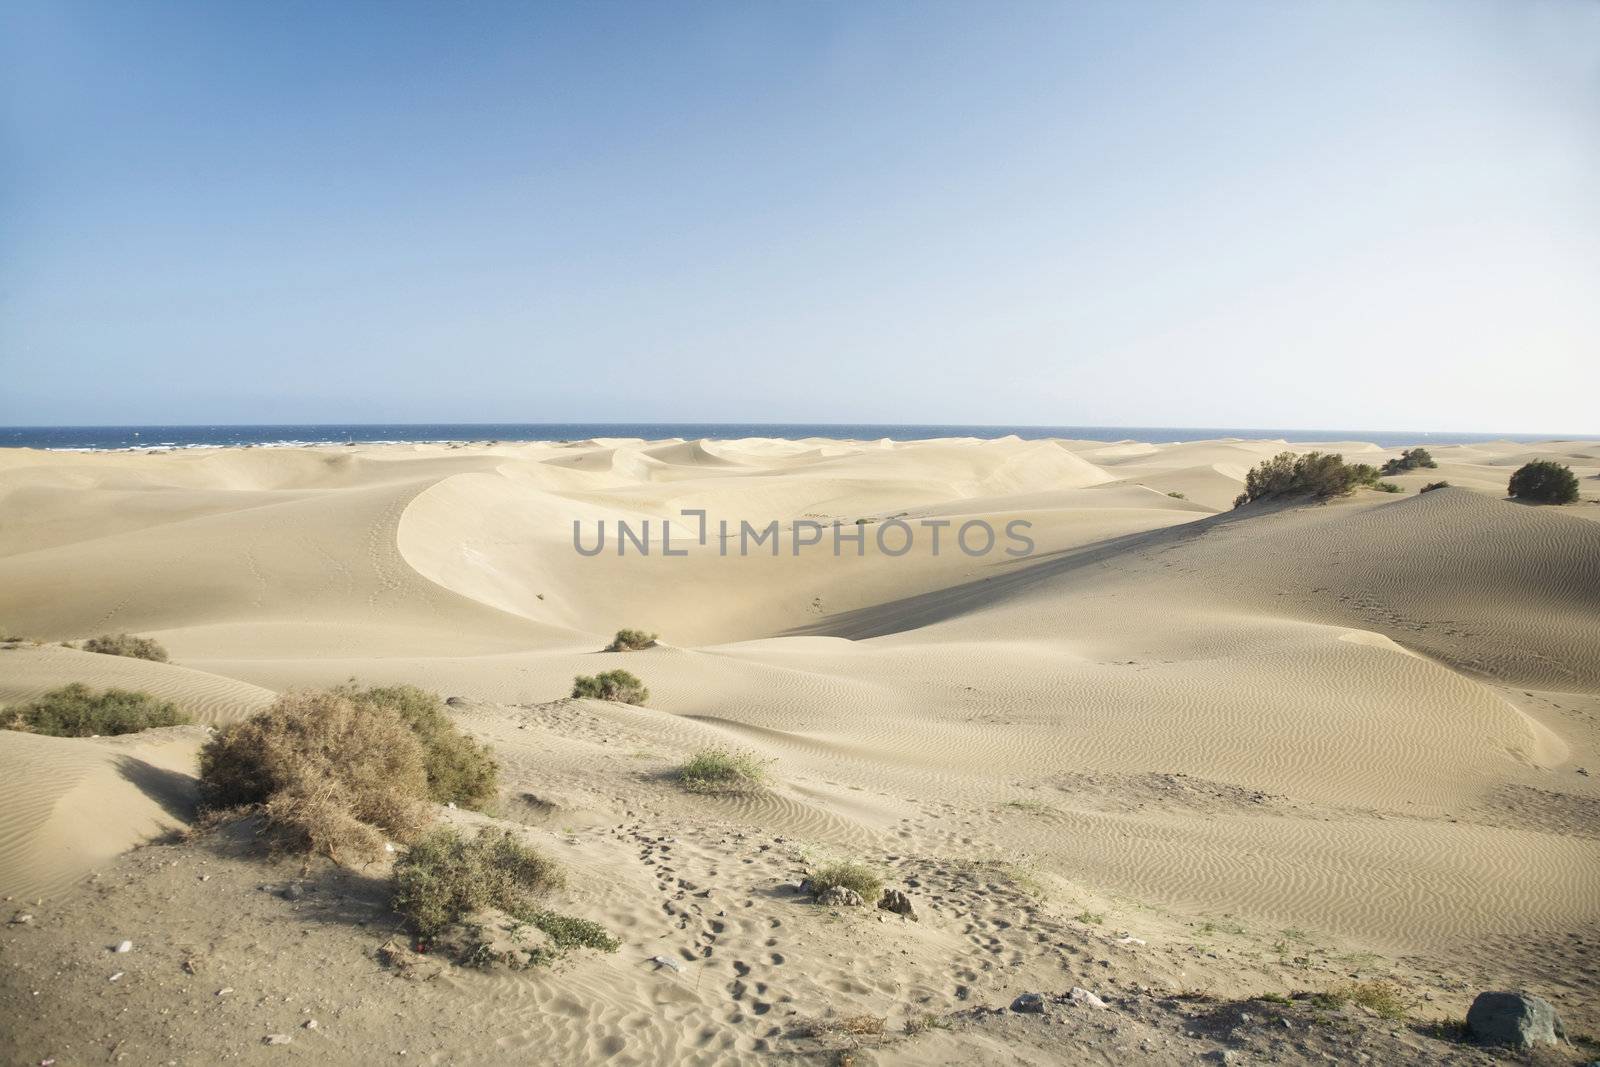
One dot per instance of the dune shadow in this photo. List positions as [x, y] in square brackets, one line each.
[175, 791]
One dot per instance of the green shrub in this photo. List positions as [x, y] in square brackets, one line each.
[631, 641]
[126, 645]
[720, 770]
[1386, 487]
[77, 711]
[851, 875]
[460, 770]
[1313, 474]
[1409, 459]
[1382, 998]
[1431, 486]
[331, 776]
[1544, 482]
[611, 685]
[445, 877]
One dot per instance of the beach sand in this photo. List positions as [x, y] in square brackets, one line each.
[1177, 749]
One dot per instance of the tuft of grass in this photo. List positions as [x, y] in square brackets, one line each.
[1431, 486]
[851, 875]
[1177, 495]
[1091, 918]
[631, 641]
[1387, 487]
[1273, 998]
[723, 771]
[619, 686]
[77, 711]
[849, 1025]
[460, 770]
[919, 1024]
[126, 645]
[1382, 998]
[331, 776]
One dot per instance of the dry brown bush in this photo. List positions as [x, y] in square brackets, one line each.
[331, 776]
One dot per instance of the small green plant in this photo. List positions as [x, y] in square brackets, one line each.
[631, 641]
[1544, 482]
[1431, 486]
[126, 645]
[1091, 918]
[460, 770]
[446, 876]
[922, 1023]
[77, 711]
[850, 875]
[1386, 487]
[1177, 496]
[619, 686]
[1315, 474]
[1274, 998]
[1409, 460]
[723, 771]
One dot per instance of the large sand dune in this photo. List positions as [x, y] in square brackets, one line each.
[1361, 721]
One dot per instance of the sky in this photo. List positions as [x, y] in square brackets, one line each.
[1338, 214]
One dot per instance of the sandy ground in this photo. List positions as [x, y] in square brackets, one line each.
[1179, 755]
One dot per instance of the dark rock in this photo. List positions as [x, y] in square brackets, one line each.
[1518, 1019]
[1031, 1003]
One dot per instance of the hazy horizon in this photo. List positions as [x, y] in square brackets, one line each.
[1241, 214]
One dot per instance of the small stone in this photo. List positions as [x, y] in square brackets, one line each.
[1080, 995]
[898, 902]
[1222, 1055]
[225, 990]
[123, 946]
[21, 918]
[118, 976]
[838, 896]
[292, 891]
[1029, 1003]
[309, 1024]
[277, 1039]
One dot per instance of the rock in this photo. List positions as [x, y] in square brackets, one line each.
[21, 918]
[1518, 1019]
[1080, 995]
[277, 1039]
[839, 896]
[1030, 1003]
[492, 939]
[1221, 1055]
[309, 1024]
[123, 946]
[896, 901]
[292, 891]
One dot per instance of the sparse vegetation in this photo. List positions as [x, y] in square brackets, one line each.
[848, 1025]
[1431, 486]
[1410, 459]
[619, 686]
[446, 877]
[77, 711]
[126, 645]
[331, 776]
[1386, 487]
[1544, 482]
[723, 771]
[1315, 474]
[850, 875]
[918, 1024]
[1382, 998]
[460, 770]
[631, 641]
[1091, 918]
[1177, 496]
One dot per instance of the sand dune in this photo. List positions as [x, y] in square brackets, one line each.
[1360, 720]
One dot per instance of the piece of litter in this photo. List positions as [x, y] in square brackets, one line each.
[663, 961]
[225, 990]
[118, 975]
[1131, 940]
[276, 1039]
[124, 946]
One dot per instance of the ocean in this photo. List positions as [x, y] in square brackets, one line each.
[114, 438]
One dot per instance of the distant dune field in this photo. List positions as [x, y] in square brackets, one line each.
[1359, 721]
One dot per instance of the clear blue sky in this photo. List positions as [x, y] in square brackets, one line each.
[1316, 214]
